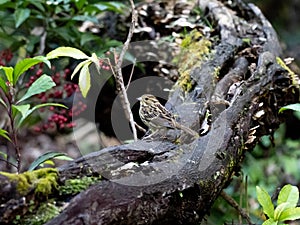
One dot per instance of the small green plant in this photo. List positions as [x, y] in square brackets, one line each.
[32, 27]
[295, 107]
[286, 205]
[15, 98]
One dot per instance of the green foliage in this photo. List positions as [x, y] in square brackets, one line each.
[45, 212]
[48, 156]
[76, 185]
[26, 24]
[13, 101]
[286, 204]
[295, 107]
[84, 75]
[42, 84]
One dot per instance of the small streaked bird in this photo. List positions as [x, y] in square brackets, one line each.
[157, 117]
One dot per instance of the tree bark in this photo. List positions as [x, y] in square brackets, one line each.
[160, 182]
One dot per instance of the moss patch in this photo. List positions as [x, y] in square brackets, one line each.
[292, 74]
[45, 212]
[74, 186]
[42, 181]
[194, 48]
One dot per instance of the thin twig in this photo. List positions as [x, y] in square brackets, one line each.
[235, 205]
[131, 73]
[119, 76]
[140, 128]
[7, 162]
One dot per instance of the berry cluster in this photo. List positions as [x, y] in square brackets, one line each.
[5, 57]
[61, 118]
[105, 62]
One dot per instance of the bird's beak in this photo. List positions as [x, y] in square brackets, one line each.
[139, 98]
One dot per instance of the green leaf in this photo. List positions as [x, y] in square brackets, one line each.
[85, 79]
[42, 84]
[27, 63]
[109, 6]
[289, 194]
[86, 37]
[3, 103]
[290, 214]
[64, 157]
[8, 73]
[80, 3]
[4, 1]
[78, 67]
[4, 133]
[85, 18]
[41, 159]
[48, 163]
[279, 209]
[270, 222]
[3, 85]
[295, 107]
[20, 16]
[265, 201]
[95, 60]
[25, 111]
[67, 52]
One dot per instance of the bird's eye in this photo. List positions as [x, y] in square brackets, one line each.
[146, 98]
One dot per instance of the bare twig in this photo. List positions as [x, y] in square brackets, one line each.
[235, 205]
[140, 128]
[131, 73]
[119, 76]
[7, 162]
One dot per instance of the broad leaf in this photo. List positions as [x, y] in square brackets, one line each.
[64, 157]
[270, 222]
[265, 201]
[85, 79]
[45, 157]
[86, 37]
[290, 214]
[4, 134]
[4, 1]
[3, 85]
[8, 73]
[27, 112]
[67, 52]
[27, 63]
[23, 109]
[95, 60]
[279, 209]
[20, 16]
[295, 107]
[78, 67]
[288, 194]
[42, 84]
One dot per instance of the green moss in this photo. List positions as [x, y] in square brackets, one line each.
[217, 72]
[43, 214]
[292, 74]
[74, 186]
[194, 48]
[184, 81]
[43, 181]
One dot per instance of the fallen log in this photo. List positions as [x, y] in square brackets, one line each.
[233, 100]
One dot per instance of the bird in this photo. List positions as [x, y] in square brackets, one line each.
[156, 117]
